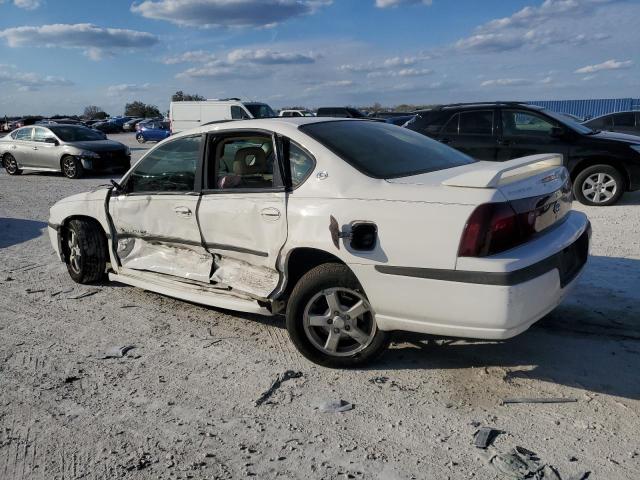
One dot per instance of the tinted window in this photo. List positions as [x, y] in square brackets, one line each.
[301, 163]
[452, 125]
[238, 113]
[243, 162]
[169, 168]
[23, 134]
[260, 110]
[518, 122]
[41, 134]
[476, 123]
[624, 120]
[381, 150]
[71, 133]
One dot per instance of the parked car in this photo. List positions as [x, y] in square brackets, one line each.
[400, 121]
[107, 127]
[186, 115]
[349, 245]
[623, 122]
[154, 131]
[71, 149]
[602, 165]
[340, 112]
[295, 113]
[386, 115]
[130, 126]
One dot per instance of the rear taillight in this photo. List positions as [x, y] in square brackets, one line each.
[494, 228]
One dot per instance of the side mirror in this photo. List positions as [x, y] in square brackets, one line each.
[52, 141]
[557, 132]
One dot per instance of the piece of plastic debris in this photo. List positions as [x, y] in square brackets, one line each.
[288, 375]
[485, 436]
[28, 290]
[118, 352]
[538, 400]
[334, 406]
[71, 379]
[516, 464]
[88, 293]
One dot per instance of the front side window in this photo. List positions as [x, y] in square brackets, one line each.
[41, 134]
[476, 123]
[169, 168]
[382, 150]
[242, 162]
[624, 120]
[451, 128]
[522, 123]
[260, 110]
[238, 113]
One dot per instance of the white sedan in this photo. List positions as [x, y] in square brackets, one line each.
[352, 228]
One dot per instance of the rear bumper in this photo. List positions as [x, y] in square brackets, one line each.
[493, 303]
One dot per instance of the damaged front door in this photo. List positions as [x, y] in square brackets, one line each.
[242, 214]
[155, 217]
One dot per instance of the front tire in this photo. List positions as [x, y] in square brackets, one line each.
[140, 139]
[599, 186]
[11, 165]
[71, 167]
[330, 320]
[85, 251]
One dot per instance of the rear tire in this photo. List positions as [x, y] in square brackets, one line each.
[330, 321]
[11, 165]
[599, 186]
[85, 251]
[140, 138]
[71, 167]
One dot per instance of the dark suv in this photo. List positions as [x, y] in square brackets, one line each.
[623, 122]
[342, 112]
[603, 165]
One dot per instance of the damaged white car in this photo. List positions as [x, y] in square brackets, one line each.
[353, 228]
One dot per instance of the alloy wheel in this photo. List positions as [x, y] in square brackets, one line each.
[10, 164]
[599, 187]
[74, 252]
[69, 166]
[339, 322]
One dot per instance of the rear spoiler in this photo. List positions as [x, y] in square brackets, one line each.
[493, 174]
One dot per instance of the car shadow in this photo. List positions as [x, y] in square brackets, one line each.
[630, 198]
[14, 231]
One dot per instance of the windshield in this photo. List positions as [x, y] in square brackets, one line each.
[569, 122]
[381, 150]
[69, 133]
[260, 110]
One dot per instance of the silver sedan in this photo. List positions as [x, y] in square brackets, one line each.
[69, 149]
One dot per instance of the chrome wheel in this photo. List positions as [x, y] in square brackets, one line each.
[69, 167]
[10, 164]
[74, 252]
[599, 187]
[339, 322]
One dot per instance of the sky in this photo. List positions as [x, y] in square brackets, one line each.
[58, 56]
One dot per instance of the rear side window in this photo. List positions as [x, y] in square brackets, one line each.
[23, 134]
[169, 168]
[476, 123]
[301, 162]
[381, 150]
[238, 113]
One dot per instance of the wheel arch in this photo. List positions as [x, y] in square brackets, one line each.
[580, 165]
[62, 157]
[64, 226]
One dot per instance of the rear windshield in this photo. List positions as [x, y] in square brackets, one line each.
[381, 150]
[260, 110]
[70, 133]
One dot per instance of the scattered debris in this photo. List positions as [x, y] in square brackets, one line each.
[55, 294]
[8, 279]
[538, 400]
[288, 375]
[71, 379]
[334, 406]
[485, 436]
[118, 352]
[518, 463]
[85, 294]
[129, 306]
[29, 290]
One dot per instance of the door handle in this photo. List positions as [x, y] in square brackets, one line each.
[270, 213]
[182, 211]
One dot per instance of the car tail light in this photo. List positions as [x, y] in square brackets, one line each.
[494, 228]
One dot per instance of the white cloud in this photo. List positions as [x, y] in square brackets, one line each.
[608, 65]
[507, 82]
[195, 56]
[404, 72]
[95, 41]
[330, 84]
[396, 3]
[387, 63]
[226, 13]
[127, 88]
[26, 4]
[269, 57]
[220, 72]
[28, 82]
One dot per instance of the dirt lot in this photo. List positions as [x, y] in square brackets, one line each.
[182, 403]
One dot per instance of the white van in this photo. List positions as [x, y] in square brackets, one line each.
[186, 115]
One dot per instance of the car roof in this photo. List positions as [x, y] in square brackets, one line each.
[475, 105]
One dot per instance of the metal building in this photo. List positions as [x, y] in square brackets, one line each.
[590, 108]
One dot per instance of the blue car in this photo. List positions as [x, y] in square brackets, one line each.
[154, 131]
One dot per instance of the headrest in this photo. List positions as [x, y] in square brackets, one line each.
[250, 160]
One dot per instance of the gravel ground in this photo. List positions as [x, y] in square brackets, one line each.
[182, 403]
